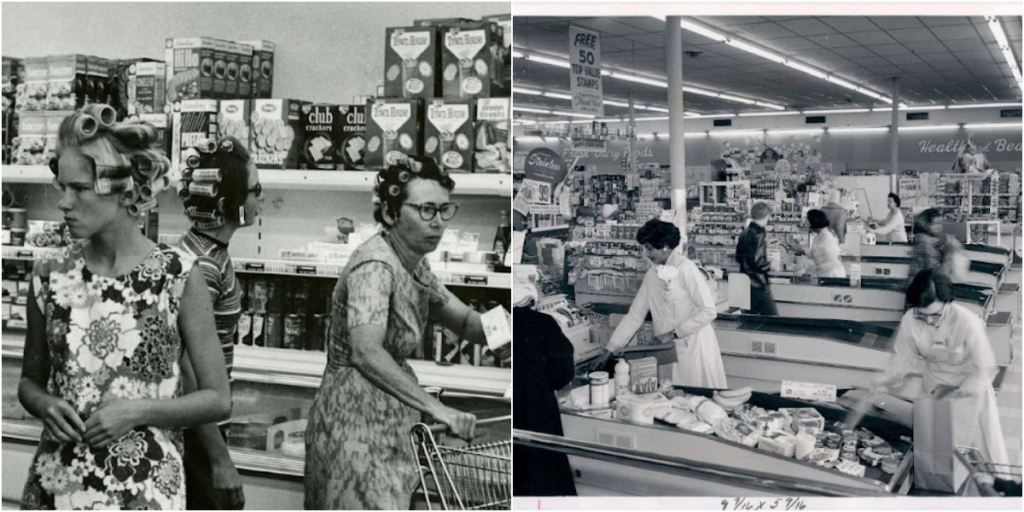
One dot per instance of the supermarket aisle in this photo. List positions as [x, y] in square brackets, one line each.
[1009, 401]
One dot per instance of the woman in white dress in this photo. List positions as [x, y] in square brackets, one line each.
[824, 247]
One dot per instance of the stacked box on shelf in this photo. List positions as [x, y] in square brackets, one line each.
[412, 62]
[67, 79]
[261, 74]
[472, 60]
[275, 125]
[449, 133]
[350, 137]
[318, 138]
[13, 76]
[136, 87]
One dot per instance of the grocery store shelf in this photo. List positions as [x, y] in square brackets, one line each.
[11, 252]
[452, 274]
[289, 179]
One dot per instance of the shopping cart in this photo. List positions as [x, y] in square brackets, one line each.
[987, 478]
[472, 477]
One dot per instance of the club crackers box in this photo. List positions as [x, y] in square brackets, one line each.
[394, 127]
[411, 61]
[233, 120]
[161, 123]
[448, 136]
[350, 138]
[319, 122]
[468, 61]
[261, 74]
[493, 138]
[275, 125]
[191, 122]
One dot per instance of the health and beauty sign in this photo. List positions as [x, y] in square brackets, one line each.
[585, 71]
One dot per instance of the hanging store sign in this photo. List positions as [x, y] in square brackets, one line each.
[589, 145]
[585, 71]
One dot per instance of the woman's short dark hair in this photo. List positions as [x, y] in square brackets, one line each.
[232, 159]
[817, 219]
[895, 199]
[929, 286]
[392, 188]
[923, 221]
[659, 234]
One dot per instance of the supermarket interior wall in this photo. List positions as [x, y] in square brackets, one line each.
[326, 52]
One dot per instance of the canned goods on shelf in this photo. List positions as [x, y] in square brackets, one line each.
[293, 332]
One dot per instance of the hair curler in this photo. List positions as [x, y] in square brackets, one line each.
[404, 176]
[104, 114]
[206, 145]
[203, 189]
[105, 186]
[85, 126]
[207, 175]
[159, 184]
[191, 157]
[210, 224]
[194, 212]
[394, 190]
[241, 214]
[227, 146]
[142, 207]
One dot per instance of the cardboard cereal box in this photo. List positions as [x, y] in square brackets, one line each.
[275, 125]
[136, 86]
[190, 71]
[319, 123]
[237, 56]
[191, 122]
[467, 61]
[32, 138]
[502, 52]
[97, 80]
[449, 133]
[411, 61]
[67, 79]
[233, 120]
[37, 82]
[350, 138]
[261, 73]
[493, 144]
[394, 128]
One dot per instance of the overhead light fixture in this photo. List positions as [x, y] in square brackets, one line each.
[796, 131]
[910, 107]
[611, 103]
[737, 133]
[858, 130]
[638, 79]
[571, 114]
[691, 114]
[547, 60]
[1004, 45]
[928, 128]
[769, 105]
[517, 54]
[992, 125]
[532, 110]
[762, 114]
[558, 95]
[986, 105]
[704, 31]
[806, 69]
[659, 109]
[714, 116]
[749, 48]
[531, 92]
[646, 119]
[736, 99]
[839, 111]
[695, 134]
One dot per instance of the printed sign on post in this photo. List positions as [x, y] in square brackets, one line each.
[585, 71]
[589, 145]
[808, 391]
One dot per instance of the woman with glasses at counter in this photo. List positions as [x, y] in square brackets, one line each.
[358, 454]
[108, 320]
[957, 356]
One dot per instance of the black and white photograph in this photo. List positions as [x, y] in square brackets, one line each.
[790, 272]
[256, 255]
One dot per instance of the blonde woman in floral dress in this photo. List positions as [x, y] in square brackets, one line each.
[108, 319]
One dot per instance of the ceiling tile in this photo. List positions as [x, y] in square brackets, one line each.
[868, 62]
[938, 58]
[971, 57]
[904, 59]
[794, 44]
[807, 27]
[890, 49]
[894, 22]
[651, 39]
[912, 35]
[833, 41]
[916, 68]
[854, 51]
[958, 32]
[848, 24]
[963, 45]
[921, 48]
[872, 38]
[766, 31]
[943, 21]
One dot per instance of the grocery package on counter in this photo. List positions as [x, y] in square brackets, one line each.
[493, 137]
[319, 123]
[66, 77]
[136, 87]
[449, 134]
[350, 137]
[261, 74]
[97, 80]
[411, 62]
[394, 129]
[37, 83]
[191, 122]
[275, 126]
[470, 67]
[233, 120]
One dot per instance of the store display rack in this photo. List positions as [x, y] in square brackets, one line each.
[289, 179]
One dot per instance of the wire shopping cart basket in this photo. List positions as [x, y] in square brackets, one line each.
[473, 477]
[987, 478]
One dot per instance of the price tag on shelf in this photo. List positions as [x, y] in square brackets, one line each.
[252, 266]
[24, 254]
[306, 269]
[476, 280]
[808, 391]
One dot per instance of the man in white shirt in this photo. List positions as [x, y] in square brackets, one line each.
[891, 229]
[677, 295]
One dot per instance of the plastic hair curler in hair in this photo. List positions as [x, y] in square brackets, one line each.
[394, 190]
[142, 207]
[227, 146]
[104, 114]
[191, 157]
[404, 177]
[195, 213]
[182, 188]
[210, 224]
[203, 189]
[104, 186]
[213, 204]
[206, 146]
[206, 175]
[85, 126]
[159, 184]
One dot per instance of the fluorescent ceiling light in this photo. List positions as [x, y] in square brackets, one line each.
[517, 54]
[644, 119]
[806, 69]
[858, 130]
[638, 79]
[769, 105]
[992, 125]
[843, 83]
[698, 90]
[985, 105]
[761, 114]
[531, 92]
[571, 114]
[558, 95]
[1004, 45]
[658, 109]
[691, 114]
[749, 48]
[910, 107]
[546, 60]
[695, 134]
[704, 31]
[839, 111]
[933, 127]
[736, 99]
[534, 110]
[736, 132]
[795, 131]
[611, 103]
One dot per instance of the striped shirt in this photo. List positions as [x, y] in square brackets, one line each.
[213, 259]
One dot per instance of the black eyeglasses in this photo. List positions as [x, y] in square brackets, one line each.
[430, 210]
[258, 190]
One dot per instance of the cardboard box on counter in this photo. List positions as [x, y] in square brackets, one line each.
[394, 128]
[469, 62]
[261, 73]
[191, 122]
[67, 81]
[411, 62]
[37, 82]
[192, 68]
[237, 56]
[274, 130]
[136, 86]
[97, 80]
[233, 120]
[319, 123]
[350, 138]
[449, 134]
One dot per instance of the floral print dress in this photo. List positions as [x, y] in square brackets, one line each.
[111, 339]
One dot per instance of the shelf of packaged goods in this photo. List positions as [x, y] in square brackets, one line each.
[717, 222]
[289, 179]
[25, 253]
[302, 368]
[451, 274]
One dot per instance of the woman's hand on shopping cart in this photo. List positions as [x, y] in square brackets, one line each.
[461, 424]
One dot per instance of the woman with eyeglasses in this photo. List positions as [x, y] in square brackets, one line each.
[357, 439]
[108, 320]
[958, 358]
[222, 193]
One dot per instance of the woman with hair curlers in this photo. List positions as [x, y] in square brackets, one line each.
[357, 449]
[224, 194]
[108, 318]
